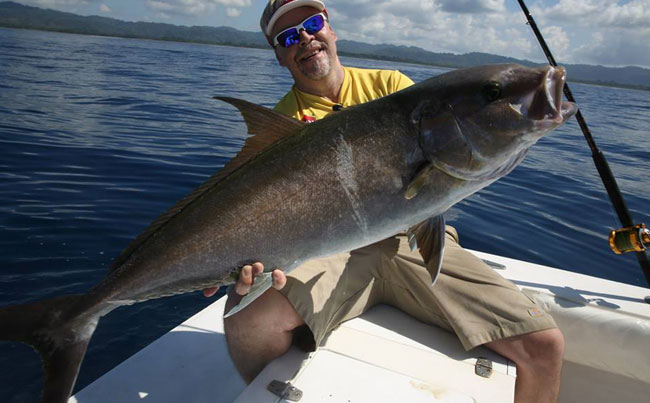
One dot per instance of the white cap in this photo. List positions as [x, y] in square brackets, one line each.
[277, 8]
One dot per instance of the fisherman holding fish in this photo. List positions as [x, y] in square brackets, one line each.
[390, 156]
[469, 298]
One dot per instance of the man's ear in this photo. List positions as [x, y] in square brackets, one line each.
[333, 32]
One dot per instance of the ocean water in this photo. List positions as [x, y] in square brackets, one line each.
[98, 136]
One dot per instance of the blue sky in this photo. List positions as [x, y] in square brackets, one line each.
[606, 32]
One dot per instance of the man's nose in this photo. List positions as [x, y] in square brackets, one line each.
[305, 38]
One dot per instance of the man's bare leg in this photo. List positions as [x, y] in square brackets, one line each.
[538, 356]
[263, 330]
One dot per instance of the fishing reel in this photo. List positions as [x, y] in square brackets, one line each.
[630, 239]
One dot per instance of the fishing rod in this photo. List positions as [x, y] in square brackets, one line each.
[631, 237]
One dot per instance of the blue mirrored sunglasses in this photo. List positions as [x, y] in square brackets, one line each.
[291, 36]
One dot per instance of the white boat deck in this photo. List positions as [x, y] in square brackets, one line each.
[387, 356]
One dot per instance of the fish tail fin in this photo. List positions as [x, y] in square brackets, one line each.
[58, 329]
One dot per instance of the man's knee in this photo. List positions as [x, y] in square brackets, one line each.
[549, 342]
[544, 348]
[541, 350]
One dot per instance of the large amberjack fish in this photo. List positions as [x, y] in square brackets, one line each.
[297, 192]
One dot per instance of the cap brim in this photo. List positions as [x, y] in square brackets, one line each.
[290, 6]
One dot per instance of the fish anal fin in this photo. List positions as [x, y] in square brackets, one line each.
[429, 238]
[266, 127]
[262, 282]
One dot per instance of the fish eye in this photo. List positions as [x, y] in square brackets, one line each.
[492, 91]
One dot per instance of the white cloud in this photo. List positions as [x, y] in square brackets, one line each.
[615, 50]
[197, 7]
[159, 5]
[598, 13]
[456, 26]
[233, 12]
[560, 40]
[234, 3]
[472, 6]
[612, 32]
[463, 26]
[181, 7]
[105, 9]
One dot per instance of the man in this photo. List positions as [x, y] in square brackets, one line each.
[468, 298]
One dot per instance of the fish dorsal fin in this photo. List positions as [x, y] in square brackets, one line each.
[266, 127]
[429, 237]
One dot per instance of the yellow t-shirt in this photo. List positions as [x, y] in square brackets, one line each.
[359, 86]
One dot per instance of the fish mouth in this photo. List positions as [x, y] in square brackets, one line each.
[535, 96]
[544, 106]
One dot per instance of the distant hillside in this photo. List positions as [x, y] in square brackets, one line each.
[634, 77]
[419, 55]
[16, 15]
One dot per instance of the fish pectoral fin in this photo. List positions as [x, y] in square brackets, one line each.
[263, 282]
[429, 238]
[418, 181]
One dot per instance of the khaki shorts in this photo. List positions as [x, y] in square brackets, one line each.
[469, 298]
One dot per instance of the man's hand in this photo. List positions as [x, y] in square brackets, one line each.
[246, 277]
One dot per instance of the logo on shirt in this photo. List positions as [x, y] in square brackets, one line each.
[308, 119]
